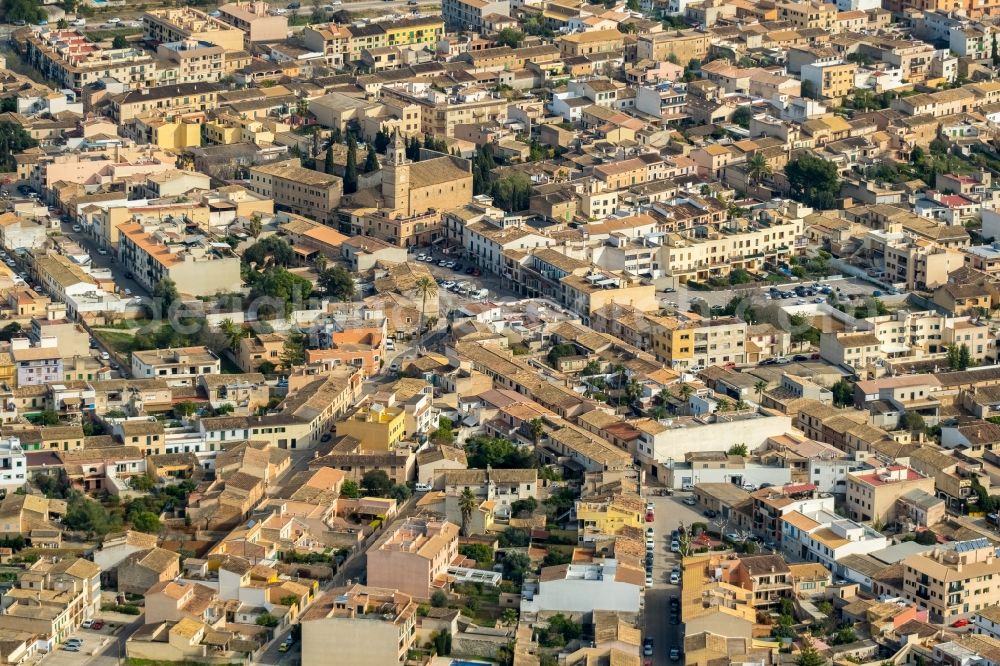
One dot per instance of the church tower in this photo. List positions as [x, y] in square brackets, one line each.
[396, 176]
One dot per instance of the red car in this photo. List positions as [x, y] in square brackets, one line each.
[960, 623]
[97, 625]
[649, 516]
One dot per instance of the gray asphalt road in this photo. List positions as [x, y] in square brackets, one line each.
[669, 514]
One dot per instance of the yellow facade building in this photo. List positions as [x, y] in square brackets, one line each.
[377, 427]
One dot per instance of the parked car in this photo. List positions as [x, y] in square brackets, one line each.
[957, 624]
[675, 546]
[87, 624]
[422, 487]
[99, 624]
[690, 501]
[675, 654]
[650, 517]
[674, 578]
[709, 513]
[647, 647]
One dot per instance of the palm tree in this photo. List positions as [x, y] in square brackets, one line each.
[536, 428]
[663, 396]
[425, 285]
[760, 387]
[740, 405]
[319, 263]
[686, 390]
[467, 504]
[722, 404]
[232, 332]
[758, 168]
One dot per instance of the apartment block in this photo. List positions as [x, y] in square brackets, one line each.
[872, 496]
[174, 99]
[825, 537]
[71, 60]
[367, 624]
[178, 367]
[39, 364]
[414, 559]
[184, 23]
[953, 581]
[830, 80]
[256, 20]
[471, 14]
[13, 464]
[159, 251]
[690, 342]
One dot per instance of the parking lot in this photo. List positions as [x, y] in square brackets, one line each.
[844, 287]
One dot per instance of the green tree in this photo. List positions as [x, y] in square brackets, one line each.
[165, 292]
[281, 290]
[351, 168]
[328, 165]
[148, 522]
[911, 421]
[759, 387]
[467, 503]
[758, 168]
[926, 538]
[499, 453]
[371, 161]
[376, 483]
[480, 552]
[47, 417]
[21, 10]
[233, 333]
[808, 656]
[184, 409]
[337, 282]
[515, 565]
[843, 394]
[269, 252]
[523, 506]
[267, 620]
[738, 450]
[509, 37]
[964, 357]
[808, 90]
[426, 286]
[382, 140]
[294, 352]
[813, 180]
[350, 489]
[512, 192]
[119, 42]
[439, 599]
[742, 116]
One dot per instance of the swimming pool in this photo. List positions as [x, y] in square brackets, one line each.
[469, 663]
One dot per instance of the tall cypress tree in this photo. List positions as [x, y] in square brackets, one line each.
[351, 170]
[371, 161]
[328, 162]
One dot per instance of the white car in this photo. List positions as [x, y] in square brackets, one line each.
[422, 487]
[675, 546]
[674, 579]
[77, 228]
[448, 284]
[114, 21]
[102, 251]
[86, 624]
[105, 356]
[442, 263]
[649, 578]
[421, 257]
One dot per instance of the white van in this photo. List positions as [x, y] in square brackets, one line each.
[390, 344]
[79, 23]
[422, 487]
